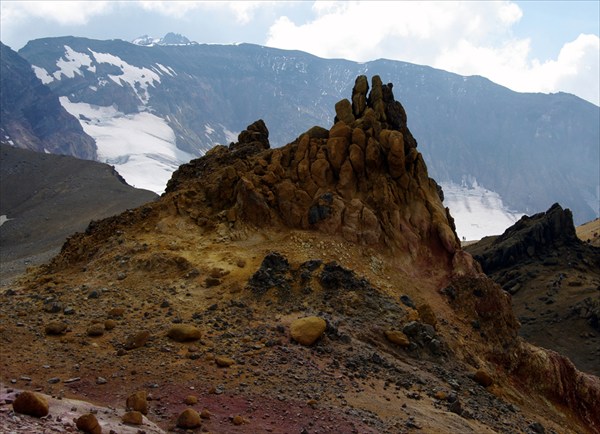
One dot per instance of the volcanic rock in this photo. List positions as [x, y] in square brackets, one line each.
[136, 340]
[189, 418]
[397, 337]
[530, 237]
[133, 418]
[88, 423]
[308, 330]
[31, 403]
[552, 277]
[56, 328]
[184, 333]
[138, 401]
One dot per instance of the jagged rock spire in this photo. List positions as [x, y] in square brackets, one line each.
[362, 179]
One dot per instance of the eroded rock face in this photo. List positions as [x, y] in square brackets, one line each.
[530, 237]
[364, 180]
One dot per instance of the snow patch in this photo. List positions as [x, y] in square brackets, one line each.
[140, 146]
[165, 69]
[139, 78]
[42, 74]
[477, 212]
[230, 136]
[4, 219]
[71, 64]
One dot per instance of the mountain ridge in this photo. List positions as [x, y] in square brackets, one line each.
[466, 131]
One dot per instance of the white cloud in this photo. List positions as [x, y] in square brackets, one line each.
[243, 11]
[61, 12]
[469, 38]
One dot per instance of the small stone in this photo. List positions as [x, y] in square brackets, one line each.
[537, 428]
[184, 333]
[137, 401]
[189, 418]
[483, 378]
[95, 330]
[88, 424]
[55, 328]
[205, 414]
[212, 281]
[224, 361]
[133, 418]
[101, 380]
[190, 400]
[137, 340]
[117, 312]
[238, 420]
[54, 380]
[306, 331]
[69, 311]
[109, 324]
[397, 337]
[30, 403]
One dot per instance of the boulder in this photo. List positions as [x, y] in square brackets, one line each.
[133, 418]
[31, 403]
[137, 401]
[308, 330]
[189, 419]
[88, 424]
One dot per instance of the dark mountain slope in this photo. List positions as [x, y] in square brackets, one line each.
[48, 197]
[31, 116]
[533, 149]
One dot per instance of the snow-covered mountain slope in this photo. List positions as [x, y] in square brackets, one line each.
[477, 212]
[531, 149]
[141, 146]
[168, 39]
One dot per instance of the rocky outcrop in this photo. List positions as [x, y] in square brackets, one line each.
[362, 179]
[530, 237]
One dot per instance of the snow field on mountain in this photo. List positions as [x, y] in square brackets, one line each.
[477, 212]
[140, 146]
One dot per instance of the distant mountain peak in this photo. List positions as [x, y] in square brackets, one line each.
[169, 39]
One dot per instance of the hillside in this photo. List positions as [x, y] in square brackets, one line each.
[472, 133]
[315, 287]
[31, 116]
[48, 197]
[554, 280]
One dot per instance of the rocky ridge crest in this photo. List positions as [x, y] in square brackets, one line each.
[362, 179]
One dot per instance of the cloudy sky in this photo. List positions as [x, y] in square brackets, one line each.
[528, 46]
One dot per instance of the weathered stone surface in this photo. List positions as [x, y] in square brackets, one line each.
[31, 403]
[88, 423]
[55, 328]
[184, 333]
[136, 340]
[133, 418]
[483, 377]
[397, 337]
[359, 95]
[343, 112]
[308, 330]
[137, 401]
[189, 418]
[530, 236]
[224, 361]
